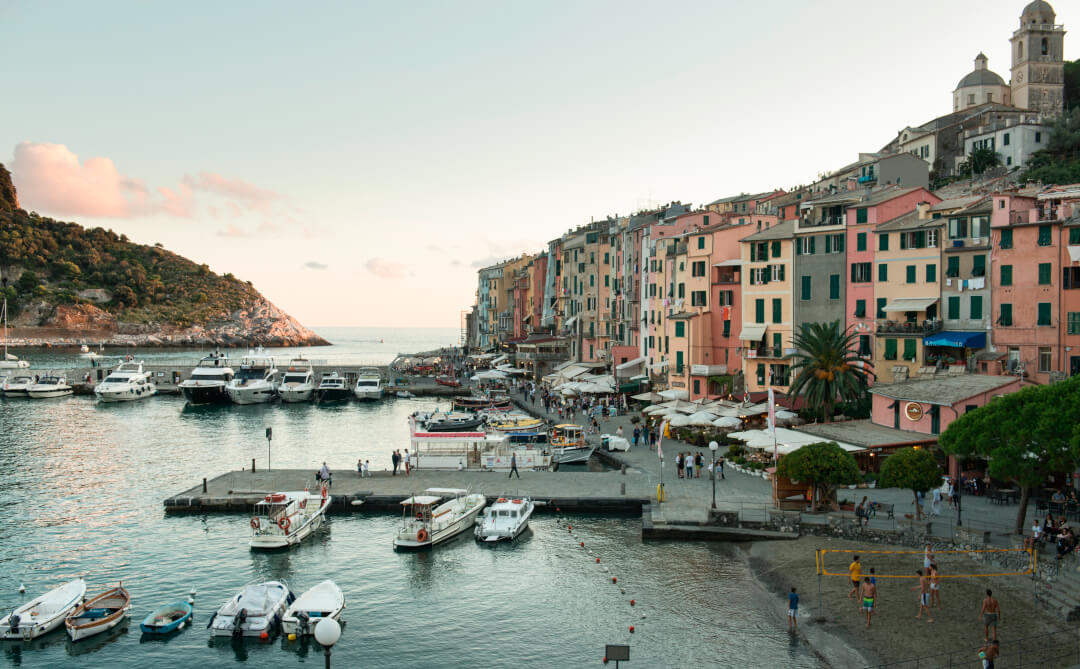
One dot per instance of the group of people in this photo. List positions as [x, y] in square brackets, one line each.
[1057, 532]
[401, 462]
[688, 465]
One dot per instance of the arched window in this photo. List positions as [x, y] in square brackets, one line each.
[1020, 49]
[1045, 47]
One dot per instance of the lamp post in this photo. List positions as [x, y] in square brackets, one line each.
[713, 446]
[958, 498]
[327, 633]
[269, 435]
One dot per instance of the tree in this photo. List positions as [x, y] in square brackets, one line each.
[979, 161]
[1026, 436]
[912, 468]
[828, 368]
[1059, 162]
[823, 464]
[125, 296]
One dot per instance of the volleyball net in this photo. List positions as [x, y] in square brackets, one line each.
[950, 563]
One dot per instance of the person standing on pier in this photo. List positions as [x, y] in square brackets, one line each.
[396, 459]
[678, 464]
[513, 466]
[408, 472]
[367, 468]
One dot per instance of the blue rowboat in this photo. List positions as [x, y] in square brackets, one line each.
[168, 618]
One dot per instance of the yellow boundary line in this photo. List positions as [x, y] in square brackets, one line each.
[819, 561]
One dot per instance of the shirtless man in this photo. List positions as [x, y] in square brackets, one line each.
[991, 615]
[935, 585]
[987, 654]
[869, 596]
[924, 595]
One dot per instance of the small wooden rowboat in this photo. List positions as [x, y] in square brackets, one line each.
[98, 614]
[168, 618]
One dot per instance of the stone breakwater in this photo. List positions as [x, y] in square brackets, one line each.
[257, 324]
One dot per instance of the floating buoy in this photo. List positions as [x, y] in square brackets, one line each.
[605, 659]
[292, 637]
[598, 559]
[193, 593]
[263, 635]
[631, 629]
[22, 588]
[190, 600]
[569, 527]
[614, 580]
[558, 510]
[631, 602]
[583, 544]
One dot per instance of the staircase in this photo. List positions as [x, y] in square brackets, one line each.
[1061, 592]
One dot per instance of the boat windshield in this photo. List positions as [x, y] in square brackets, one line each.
[207, 377]
[116, 379]
[364, 383]
[295, 378]
[50, 380]
[250, 374]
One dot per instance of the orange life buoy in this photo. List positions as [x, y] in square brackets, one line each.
[284, 523]
[303, 503]
[324, 492]
[276, 497]
[254, 522]
[501, 500]
[517, 501]
[422, 535]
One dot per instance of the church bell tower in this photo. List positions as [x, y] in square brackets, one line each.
[1038, 66]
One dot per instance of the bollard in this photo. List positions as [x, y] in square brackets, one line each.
[622, 488]
[623, 470]
[253, 465]
[204, 484]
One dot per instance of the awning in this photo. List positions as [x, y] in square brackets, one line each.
[658, 365]
[956, 339]
[630, 363]
[527, 318]
[570, 321]
[734, 262]
[752, 332]
[1074, 253]
[910, 304]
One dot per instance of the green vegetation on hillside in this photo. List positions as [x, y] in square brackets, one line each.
[1059, 162]
[53, 261]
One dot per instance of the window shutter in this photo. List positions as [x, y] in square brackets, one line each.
[753, 253]
[881, 302]
[776, 249]
[812, 246]
[954, 307]
[840, 243]
[903, 240]
[860, 241]
[852, 272]
[834, 286]
[976, 307]
[1006, 275]
[883, 242]
[1044, 313]
[931, 273]
[882, 272]
[910, 347]
[890, 349]
[828, 243]
[1006, 315]
[782, 272]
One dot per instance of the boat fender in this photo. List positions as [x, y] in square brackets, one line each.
[517, 501]
[284, 523]
[324, 493]
[254, 522]
[422, 535]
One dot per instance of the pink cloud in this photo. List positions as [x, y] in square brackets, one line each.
[234, 189]
[234, 232]
[385, 269]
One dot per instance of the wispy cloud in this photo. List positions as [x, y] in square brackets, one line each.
[312, 264]
[386, 269]
[487, 261]
[234, 232]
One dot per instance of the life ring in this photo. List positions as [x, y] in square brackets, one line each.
[419, 515]
[303, 503]
[276, 497]
[501, 500]
[254, 522]
[422, 535]
[284, 523]
[517, 501]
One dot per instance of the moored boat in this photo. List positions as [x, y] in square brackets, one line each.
[368, 384]
[252, 612]
[332, 388]
[49, 386]
[206, 385]
[17, 386]
[166, 619]
[257, 380]
[127, 383]
[8, 361]
[423, 524]
[568, 444]
[298, 383]
[324, 600]
[447, 381]
[507, 518]
[43, 614]
[284, 519]
[98, 614]
[514, 423]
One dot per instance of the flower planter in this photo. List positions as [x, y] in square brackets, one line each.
[852, 486]
[872, 484]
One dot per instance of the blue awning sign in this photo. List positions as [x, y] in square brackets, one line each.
[956, 339]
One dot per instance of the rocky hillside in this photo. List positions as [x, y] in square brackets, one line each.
[66, 283]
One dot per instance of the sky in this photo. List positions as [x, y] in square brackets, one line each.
[358, 161]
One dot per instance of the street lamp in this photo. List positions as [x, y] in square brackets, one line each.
[958, 498]
[327, 633]
[712, 449]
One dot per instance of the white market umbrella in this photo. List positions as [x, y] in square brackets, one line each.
[646, 397]
[655, 409]
[675, 394]
[727, 421]
[701, 418]
[785, 415]
[679, 421]
[594, 388]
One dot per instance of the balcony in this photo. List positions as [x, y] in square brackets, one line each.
[868, 178]
[821, 222]
[910, 329]
[725, 278]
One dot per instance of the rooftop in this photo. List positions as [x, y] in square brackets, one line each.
[909, 221]
[945, 391]
[785, 230]
[864, 433]
[956, 203]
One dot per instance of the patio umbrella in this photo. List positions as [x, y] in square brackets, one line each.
[594, 388]
[701, 418]
[675, 394]
[654, 409]
[679, 421]
[785, 415]
[647, 397]
[727, 421]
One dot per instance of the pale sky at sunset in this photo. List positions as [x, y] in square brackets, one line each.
[357, 161]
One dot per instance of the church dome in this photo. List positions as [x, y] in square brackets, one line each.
[981, 75]
[1039, 12]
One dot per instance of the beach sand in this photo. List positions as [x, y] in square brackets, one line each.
[836, 629]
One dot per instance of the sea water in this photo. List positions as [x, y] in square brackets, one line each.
[81, 491]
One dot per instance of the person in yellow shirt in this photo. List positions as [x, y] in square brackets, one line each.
[855, 571]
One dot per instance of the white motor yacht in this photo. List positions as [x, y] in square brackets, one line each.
[298, 383]
[17, 386]
[257, 380]
[251, 612]
[206, 385]
[284, 519]
[325, 600]
[8, 361]
[423, 524]
[43, 614]
[505, 519]
[126, 383]
[368, 384]
[49, 386]
[332, 388]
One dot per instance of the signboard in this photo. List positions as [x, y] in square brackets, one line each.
[699, 370]
[913, 411]
[617, 652]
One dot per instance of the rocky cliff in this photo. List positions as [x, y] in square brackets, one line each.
[66, 284]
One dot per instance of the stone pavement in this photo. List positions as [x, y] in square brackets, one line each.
[689, 500]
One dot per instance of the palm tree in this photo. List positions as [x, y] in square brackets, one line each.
[828, 368]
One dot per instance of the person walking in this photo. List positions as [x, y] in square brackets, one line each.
[987, 654]
[991, 615]
[367, 468]
[396, 459]
[793, 611]
[360, 467]
[721, 461]
[869, 596]
[924, 595]
[325, 476]
[406, 459]
[699, 460]
[678, 464]
[855, 574]
[513, 466]
[935, 585]
[636, 434]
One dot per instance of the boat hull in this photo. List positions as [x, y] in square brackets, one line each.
[492, 533]
[210, 394]
[127, 395]
[161, 620]
[463, 523]
[568, 456]
[49, 394]
[68, 597]
[251, 394]
[325, 600]
[21, 392]
[328, 395]
[368, 394]
[99, 614]
[295, 536]
[296, 395]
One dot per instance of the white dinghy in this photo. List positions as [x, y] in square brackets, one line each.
[43, 614]
[99, 614]
[325, 600]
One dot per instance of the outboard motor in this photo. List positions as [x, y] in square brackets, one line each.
[303, 620]
[14, 623]
[237, 622]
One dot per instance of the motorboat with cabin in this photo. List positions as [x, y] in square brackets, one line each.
[298, 382]
[427, 520]
[473, 450]
[17, 386]
[506, 519]
[368, 384]
[49, 386]
[284, 519]
[568, 444]
[452, 422]
[126, 383]
[255, 610]
[332, 388]
[322, 601]
[515, 423]
[206, 385]
[43, 614]
[99, 613]
[256, 381]
[86, 353]
[7, 360]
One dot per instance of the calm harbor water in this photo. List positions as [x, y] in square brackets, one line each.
[81, 486]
